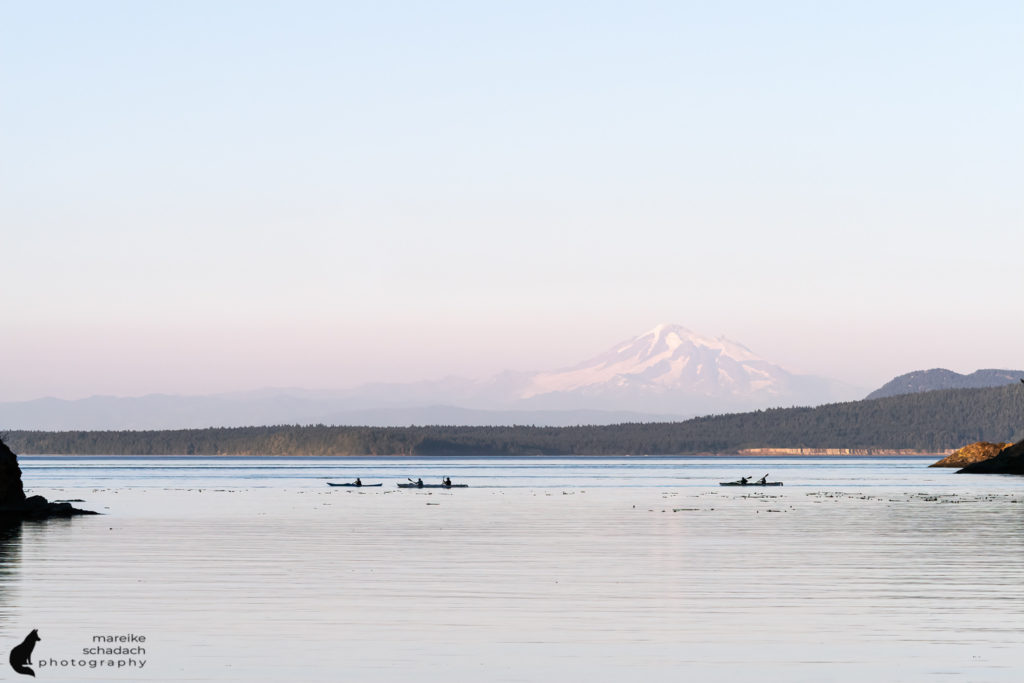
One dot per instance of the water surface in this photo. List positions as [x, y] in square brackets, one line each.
[252, 569]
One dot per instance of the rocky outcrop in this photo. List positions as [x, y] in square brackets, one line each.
[971, 453]
[15, 505]
[11, 490]
[1008, 461]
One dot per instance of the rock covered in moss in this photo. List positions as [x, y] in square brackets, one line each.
[971, 453]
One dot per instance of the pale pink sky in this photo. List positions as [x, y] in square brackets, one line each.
[339, 195]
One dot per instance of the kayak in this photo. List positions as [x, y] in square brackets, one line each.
[356, 486]
[432, 486]
[749, 483]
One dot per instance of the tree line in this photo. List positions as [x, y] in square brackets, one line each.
[931, 421]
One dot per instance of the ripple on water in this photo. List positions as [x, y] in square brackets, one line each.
[264, 584]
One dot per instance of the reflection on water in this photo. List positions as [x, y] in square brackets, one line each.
[10, 557]
[890, 581]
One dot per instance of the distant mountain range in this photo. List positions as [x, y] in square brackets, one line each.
[940, 378]
[925, 422]
[275, 407]
[668, 373]
[669, 370]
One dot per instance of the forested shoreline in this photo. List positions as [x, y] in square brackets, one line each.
[929, 422]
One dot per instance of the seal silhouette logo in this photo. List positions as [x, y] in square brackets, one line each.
[21, 655]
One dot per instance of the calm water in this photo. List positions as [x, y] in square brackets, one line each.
[596, 569]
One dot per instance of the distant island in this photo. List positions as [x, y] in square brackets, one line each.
[933, 422]
[938, 379]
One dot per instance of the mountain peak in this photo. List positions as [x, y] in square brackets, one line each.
[668, 328]
[671, 336]
[665, 362]
[667, 371]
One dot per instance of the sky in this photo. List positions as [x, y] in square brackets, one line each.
[200, 197]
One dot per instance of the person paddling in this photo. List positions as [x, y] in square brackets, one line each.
[358, 482]
[446, 481]
[763, 480]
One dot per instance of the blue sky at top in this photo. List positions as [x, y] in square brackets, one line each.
[224, 195]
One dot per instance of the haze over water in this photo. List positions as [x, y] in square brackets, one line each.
[600, 569]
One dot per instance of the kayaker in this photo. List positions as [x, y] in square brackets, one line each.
[447, 481]
[419, 482]
[763, 480]
[743, 481]
[358, 481]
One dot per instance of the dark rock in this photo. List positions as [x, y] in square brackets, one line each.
[11, 490]
[15, 505]
[971, 453]
[1008, 461]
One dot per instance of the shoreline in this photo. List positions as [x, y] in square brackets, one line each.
[841, 451]
[744, 453]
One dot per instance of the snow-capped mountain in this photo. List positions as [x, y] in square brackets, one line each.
[668, 373]
[668, 370]
[671, 368]
[666, 358]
